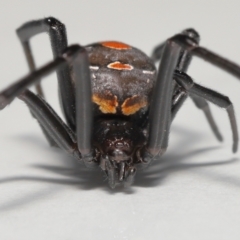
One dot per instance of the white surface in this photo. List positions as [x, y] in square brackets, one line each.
[192, 193]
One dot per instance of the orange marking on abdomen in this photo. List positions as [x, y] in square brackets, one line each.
[107, 103]
[133, 104]
[120, 66]
[116, 45]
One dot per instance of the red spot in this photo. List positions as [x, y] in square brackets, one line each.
[116, 45]
[120, 66]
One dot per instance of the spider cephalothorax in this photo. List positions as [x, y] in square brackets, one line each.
[117, 142]
[118, 107]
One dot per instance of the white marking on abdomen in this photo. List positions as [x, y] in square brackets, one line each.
[148, 72]
[94, 67]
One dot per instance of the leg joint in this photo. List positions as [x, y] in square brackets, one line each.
[183, 80]
[188, 43]
[72, 52]
[53, 24]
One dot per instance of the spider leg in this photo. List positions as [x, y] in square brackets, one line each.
[78, 58]
[157, 52]
[173, 56]
[15, 89]
[183, 64]
[49, 138]
[111, 173]
[178, 100]
[130, 177]
[204, 106]
[192, 46]
[160, 116]
[184, 58]
[51, 122]
[58, 39]
[160, 108]
[180, 97]
[216, 98]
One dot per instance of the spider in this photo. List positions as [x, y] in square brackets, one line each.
[118, 108]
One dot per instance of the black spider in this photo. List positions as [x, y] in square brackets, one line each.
[118, 108]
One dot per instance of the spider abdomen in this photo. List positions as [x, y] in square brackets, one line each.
[122, 77]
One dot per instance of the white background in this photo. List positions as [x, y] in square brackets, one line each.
[193, 192]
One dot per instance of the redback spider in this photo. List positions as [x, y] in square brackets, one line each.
[118, 108]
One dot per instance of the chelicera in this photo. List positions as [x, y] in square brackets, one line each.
[118, 107]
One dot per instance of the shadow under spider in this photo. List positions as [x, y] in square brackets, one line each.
[77, 175]
[81, 177]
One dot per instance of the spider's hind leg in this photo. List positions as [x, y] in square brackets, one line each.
[204, 106]
[179, 97]
[216, 98]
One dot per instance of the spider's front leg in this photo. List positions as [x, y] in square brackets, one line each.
[194, 49]
[183, 64]
[78, 58]
[160, 106]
